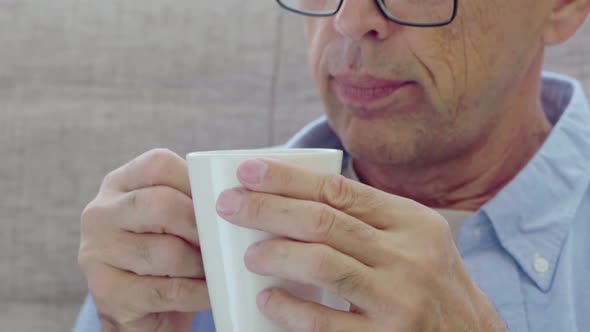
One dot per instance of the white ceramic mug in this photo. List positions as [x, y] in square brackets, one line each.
[232, 288]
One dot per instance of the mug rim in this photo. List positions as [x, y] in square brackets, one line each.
[270, 152]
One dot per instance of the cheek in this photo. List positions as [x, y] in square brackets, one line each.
[436, 59]
[458, 60]
[314, 44]
[320, 36]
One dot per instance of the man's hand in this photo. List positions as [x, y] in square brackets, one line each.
[139, 247]
[393, 259]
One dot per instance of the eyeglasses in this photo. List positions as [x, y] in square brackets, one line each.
[416, 13]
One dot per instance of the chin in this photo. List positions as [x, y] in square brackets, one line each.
[393, 137]
[382, 154]
[377, 144]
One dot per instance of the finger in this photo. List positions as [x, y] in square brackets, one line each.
[160, 210]
[295, 314]
[301, 220]
[153, 255]
[116, 291]
[377, 208]
[173, 294]
[159, 167]
[313, 264]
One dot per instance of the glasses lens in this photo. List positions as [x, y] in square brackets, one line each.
[316, 7]
[421, 11]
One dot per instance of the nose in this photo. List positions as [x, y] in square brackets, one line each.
[358, 19]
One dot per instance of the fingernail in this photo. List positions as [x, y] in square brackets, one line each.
[263, 297]
[252, 171]
[230, 202]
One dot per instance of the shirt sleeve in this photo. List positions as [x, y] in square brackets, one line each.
[88, 319]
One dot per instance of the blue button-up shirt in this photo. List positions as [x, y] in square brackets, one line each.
[529, 247]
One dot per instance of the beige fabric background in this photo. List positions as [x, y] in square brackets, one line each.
[85, 85]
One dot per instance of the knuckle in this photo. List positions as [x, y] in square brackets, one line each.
[83, 259]
[324, 223]
[88, 217]
[93, 215]
[160, 155]
[360, 231]
[161, 200]
[258, 205]
[176, 289]
[110, 180]
[442, 229]
[144, 253]
[87, 257]
[157, 202]
[438, 232]
[348, 282]
[342, 280]
[173, 255]
[321, 264]
[133, 199]
[391, 252]
[164, 259]
[90, 251]
[434, 218]
[157, 161]
[160, 295]
[140, 200]
[337, 192]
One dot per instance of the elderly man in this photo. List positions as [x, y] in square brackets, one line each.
[465, 204]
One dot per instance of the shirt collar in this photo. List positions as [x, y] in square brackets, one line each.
[533, 213]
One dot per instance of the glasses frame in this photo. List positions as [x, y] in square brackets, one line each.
[383, 10]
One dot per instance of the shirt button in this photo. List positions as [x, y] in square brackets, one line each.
[477, 232]
[541, 265]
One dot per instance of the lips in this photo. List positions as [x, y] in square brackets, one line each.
[365, 91]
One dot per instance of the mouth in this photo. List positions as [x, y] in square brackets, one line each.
[367, 93]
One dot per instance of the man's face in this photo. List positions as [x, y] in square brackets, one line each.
[404, 95]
